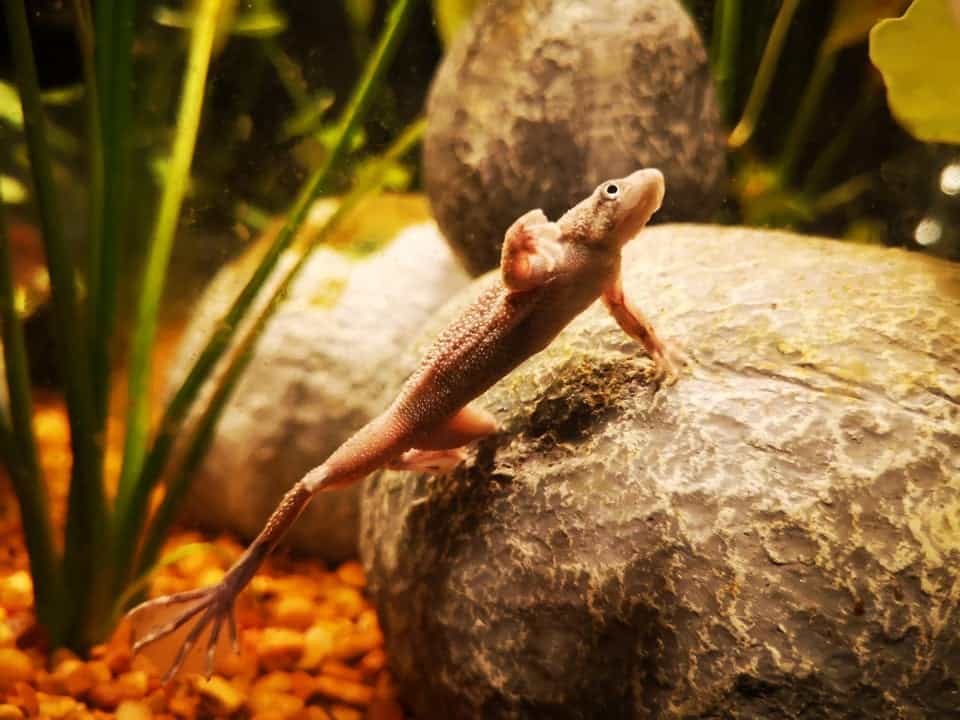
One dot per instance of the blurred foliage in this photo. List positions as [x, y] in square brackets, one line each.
[271, 110]
[451, 15]
[917, 56]
[813, 145]
[110, 102]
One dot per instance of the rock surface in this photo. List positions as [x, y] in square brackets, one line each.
[538, 101]
[775, 536]
[316, 376]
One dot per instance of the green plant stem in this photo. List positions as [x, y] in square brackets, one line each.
[85, 40]
[87, 513]
[137, 420]
[132, 513]
[199, 443]
[853, 126]
[288, 72]
[21, 460]
[806, 114]
[843, 194]
[768, 67]
[111, 82]
[725, 44]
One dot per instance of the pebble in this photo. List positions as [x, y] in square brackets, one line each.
[16, 591]
[218, 696]
[26, 698]
[294, 611]
[183, 703]
[334, 668]
[310, 649]
[356, 644]
[274, 682]
[342, 712]
[268, 701]
[347, 601]
[367, 620]
[73, 677]
[347, 691]
[56, 707]
[373, 662]
[7, 637]
[279, 648]
[15, 666]
[131, 685]
[351, 573]
[132, 710]
[317, 644]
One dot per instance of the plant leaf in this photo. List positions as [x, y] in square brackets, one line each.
[263, 23]
[360, 13]
[852, 20]
[451, 15]
[13, 191]
[308, 117]
[917, 56]
[66, 95]
[10, 110]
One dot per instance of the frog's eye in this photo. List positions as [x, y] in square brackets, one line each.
[611, 191]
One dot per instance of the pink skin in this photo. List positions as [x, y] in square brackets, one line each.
[550, 273]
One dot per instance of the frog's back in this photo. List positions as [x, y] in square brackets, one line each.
[498, 331]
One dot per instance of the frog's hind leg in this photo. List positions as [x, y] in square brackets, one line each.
[441, 450]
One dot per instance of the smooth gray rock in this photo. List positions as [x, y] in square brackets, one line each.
[538, 101]
[775, 536]
[318, 373]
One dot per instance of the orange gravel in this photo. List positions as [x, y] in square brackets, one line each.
[310, 644]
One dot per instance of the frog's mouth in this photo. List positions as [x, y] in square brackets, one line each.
[642, 195]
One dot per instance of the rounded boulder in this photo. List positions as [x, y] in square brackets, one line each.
[775, 535]
[538, 101]
[317, 374]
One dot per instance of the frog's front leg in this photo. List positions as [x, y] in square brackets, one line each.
[532, 252]
[667, 357]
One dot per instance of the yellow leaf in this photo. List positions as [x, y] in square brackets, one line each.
[852, 20]
[917, 55]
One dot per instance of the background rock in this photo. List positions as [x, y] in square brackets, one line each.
[538, 101]
[316, 376]
[775, 536]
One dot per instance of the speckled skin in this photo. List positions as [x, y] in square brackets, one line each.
[777, 536]
[561, 268]
[503, 326]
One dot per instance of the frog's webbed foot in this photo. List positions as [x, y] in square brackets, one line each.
[669, 358]
[202, 609]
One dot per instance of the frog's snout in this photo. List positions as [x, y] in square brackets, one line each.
[642, 197]
[647, 187]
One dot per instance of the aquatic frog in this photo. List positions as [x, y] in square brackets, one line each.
[550, 272]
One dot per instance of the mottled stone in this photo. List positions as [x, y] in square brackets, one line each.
[775, 536]
[538, 101]
[317, 375]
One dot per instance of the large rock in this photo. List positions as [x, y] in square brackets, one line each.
[538, 101]
[775, 536]
[317, 374]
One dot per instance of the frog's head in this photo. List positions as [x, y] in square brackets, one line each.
[617, 210]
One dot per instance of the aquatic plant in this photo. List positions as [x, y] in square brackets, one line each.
[914, 55]
[790, 158]
[803, 179]
[109, 544]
